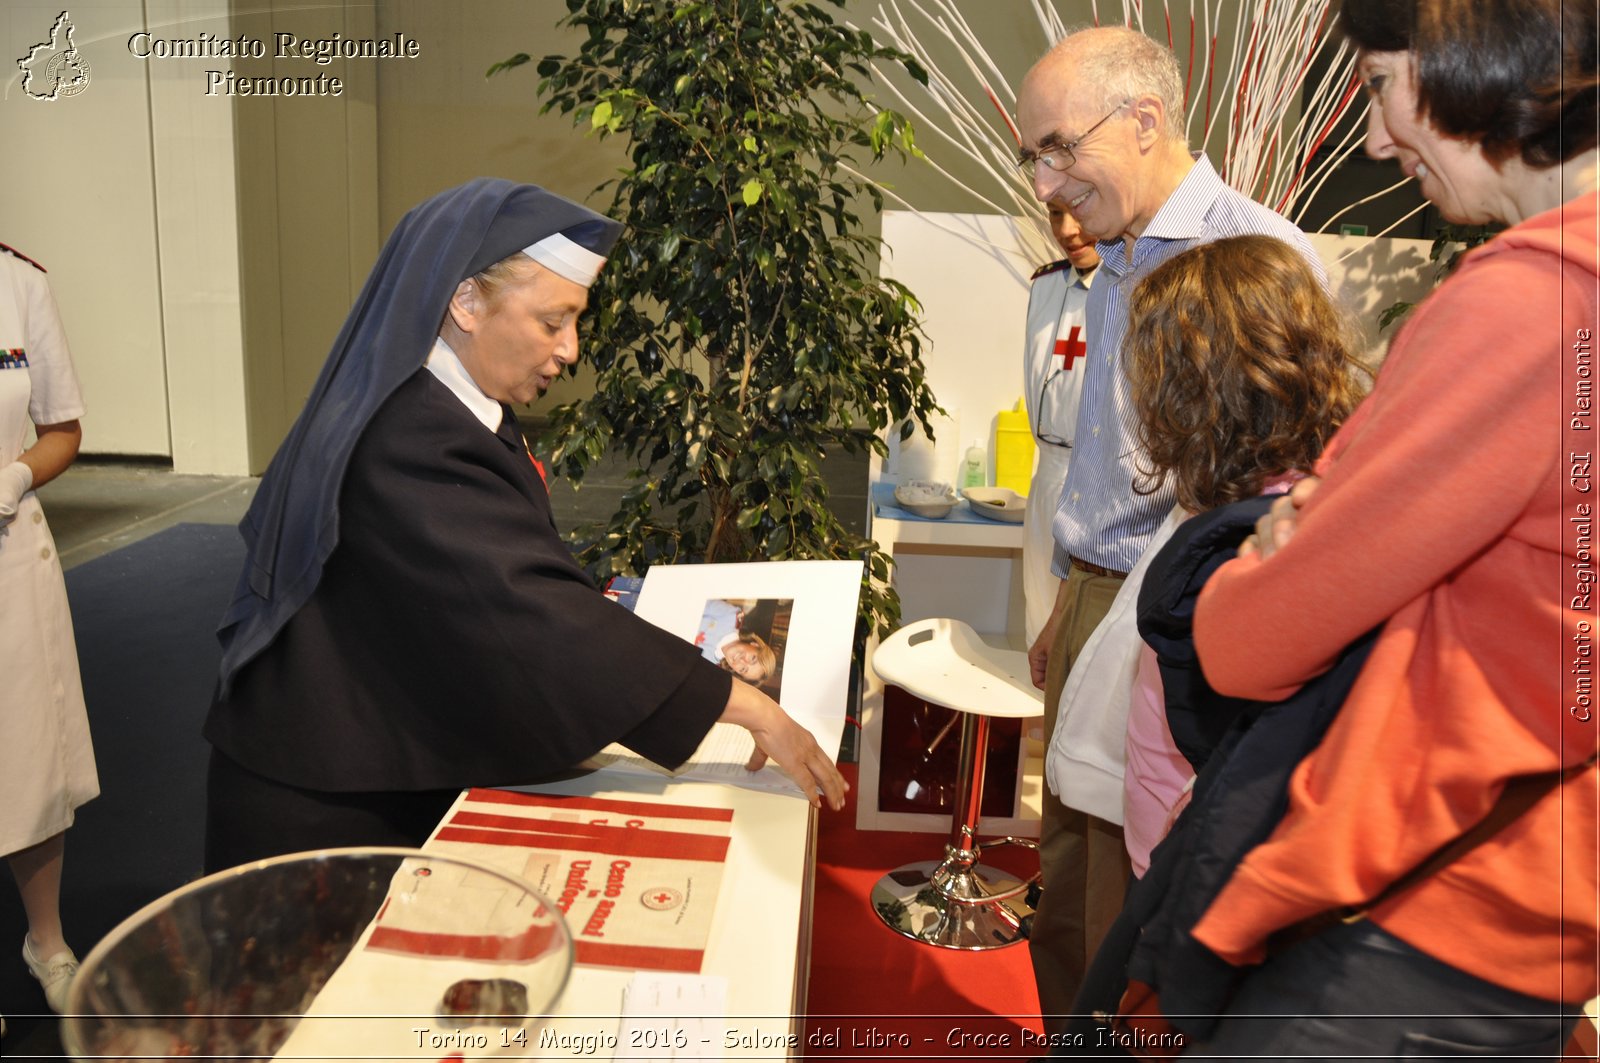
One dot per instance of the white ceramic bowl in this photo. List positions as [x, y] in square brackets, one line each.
[925, 499]
[997, 503]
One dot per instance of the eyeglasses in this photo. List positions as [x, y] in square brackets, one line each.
[1061, 157]
[1039, 432]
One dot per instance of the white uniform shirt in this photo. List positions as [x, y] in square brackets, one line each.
[1053, 380]
[37, 383]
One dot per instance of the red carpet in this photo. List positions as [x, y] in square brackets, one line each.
[873, 993]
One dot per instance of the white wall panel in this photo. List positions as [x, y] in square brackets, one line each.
[77, 194]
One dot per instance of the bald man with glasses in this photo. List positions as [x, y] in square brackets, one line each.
[1102, 127]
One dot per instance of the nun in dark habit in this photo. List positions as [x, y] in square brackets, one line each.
[408, 621]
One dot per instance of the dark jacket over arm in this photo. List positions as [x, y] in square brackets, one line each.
[452, 640]
[1244, 753]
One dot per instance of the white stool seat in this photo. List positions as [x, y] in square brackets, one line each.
[958, 903]
[945, 663]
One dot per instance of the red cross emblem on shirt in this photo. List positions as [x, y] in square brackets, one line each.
[1071, 348]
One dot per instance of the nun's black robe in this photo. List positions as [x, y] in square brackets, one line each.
[452, 641]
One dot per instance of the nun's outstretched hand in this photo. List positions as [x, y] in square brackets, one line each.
[793, 748]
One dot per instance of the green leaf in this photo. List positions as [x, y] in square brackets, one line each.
[1393, 313]
[752, 191]
[511, 64]
[881, 130]
[601, 115]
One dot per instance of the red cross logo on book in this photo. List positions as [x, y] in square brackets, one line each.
[1071, 348]
[661, 899]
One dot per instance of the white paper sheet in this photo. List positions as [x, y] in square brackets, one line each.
[672, 1016]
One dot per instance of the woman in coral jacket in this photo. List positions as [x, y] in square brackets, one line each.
[1446, 510]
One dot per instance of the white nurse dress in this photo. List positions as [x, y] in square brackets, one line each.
[46, 761]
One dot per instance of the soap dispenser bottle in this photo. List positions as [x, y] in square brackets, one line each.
[974, 471]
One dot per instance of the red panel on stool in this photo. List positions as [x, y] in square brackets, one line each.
[911, 779]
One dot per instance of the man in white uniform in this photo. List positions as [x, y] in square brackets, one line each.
[1053, 368]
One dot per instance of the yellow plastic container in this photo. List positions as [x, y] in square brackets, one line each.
[1013, 449]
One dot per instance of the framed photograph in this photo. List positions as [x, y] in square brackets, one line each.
[784, 626]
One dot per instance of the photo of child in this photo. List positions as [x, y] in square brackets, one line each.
[746, 636]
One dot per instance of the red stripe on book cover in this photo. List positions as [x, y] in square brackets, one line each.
[638, 957]
[645, 843]
[603, 804]
[565, 827]
[529, 945]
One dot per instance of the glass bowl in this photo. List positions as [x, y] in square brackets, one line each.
[376, 953]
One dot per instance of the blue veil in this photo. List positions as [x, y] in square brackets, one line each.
[292, 525]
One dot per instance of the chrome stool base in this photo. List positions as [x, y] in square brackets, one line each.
[953, 905]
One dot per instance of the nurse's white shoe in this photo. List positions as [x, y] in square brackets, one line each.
[54, 974]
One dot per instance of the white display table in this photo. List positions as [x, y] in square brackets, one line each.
[746, 1001]
[760, 938]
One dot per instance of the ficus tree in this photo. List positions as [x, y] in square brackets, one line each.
[740, 329]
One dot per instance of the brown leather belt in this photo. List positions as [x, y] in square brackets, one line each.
[1095, 570]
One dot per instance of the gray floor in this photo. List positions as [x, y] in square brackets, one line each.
[98, 506]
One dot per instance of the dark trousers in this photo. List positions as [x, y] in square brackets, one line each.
[250, 817]
[1356, 991]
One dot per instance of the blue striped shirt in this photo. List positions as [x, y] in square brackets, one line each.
[1099, 517]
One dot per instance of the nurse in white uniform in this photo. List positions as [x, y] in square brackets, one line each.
[1054, 380]
[46, 761]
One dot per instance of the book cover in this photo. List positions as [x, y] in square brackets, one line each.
[636, 879]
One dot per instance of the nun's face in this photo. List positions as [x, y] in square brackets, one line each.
[515, 342]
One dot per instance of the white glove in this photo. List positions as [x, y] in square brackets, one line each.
[15, 479]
